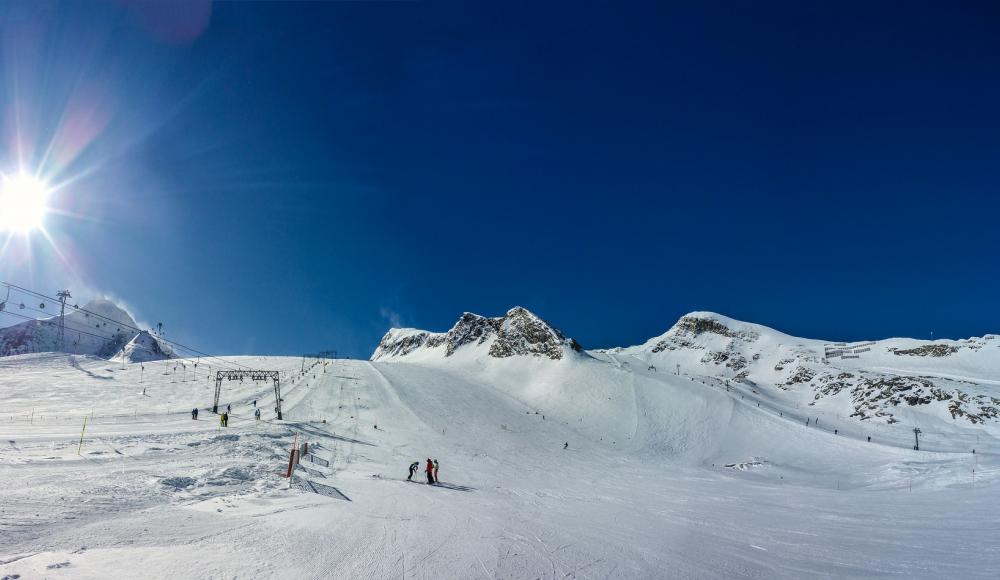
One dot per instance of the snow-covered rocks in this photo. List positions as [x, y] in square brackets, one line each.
[144, 348]
[869, 381]
[517, 333]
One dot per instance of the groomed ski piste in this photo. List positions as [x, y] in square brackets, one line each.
[668, 473]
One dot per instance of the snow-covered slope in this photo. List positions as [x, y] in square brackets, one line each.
[947, 381]
[144, 348]
[515, 334]
[100, 334]
[608, 464]
[568, 468]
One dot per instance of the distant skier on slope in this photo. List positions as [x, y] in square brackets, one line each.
[229, 408]
[194, 413]
[436, 478]
[413, 469]
[430, 470]
[256, 414]
[222, 420]
[566, 445]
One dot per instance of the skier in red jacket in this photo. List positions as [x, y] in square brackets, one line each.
[430, 471]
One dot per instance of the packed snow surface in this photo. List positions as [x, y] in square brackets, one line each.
[665, 475]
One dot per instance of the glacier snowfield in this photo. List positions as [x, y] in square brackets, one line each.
[665, 476]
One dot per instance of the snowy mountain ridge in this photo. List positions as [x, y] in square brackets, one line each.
[517, 333]
[882, 381]
[100, 328]
[869, 380]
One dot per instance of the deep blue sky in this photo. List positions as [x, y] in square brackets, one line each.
[282, 178]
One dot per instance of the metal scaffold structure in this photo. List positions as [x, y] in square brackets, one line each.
[254, 375]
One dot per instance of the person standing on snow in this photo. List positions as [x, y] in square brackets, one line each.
[229, 408]
[194, 413]
[566, 445]
[413, 469]
[436, 478]
[256, 414]
[430, 471]
[222, 420]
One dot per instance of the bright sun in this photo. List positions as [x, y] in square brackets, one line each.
[23, 200]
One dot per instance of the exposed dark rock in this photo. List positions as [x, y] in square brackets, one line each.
[934, 350]
[522, 333]
[519, 332]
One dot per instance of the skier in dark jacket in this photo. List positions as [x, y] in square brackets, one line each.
[194, 413]
[256, 414]
[430, 470]
[413, 469]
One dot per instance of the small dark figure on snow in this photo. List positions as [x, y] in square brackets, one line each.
[869, 438]
[413, 469]
[430, 470]
[834, 431]
[256, 414]
[566, 445]
[255, 402]
[194, 413]
[229, 408]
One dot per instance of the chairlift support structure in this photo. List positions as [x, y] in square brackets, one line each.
[252, 375]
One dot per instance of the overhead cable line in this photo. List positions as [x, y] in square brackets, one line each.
[176, 344]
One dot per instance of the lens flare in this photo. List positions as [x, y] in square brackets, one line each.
[23, 203]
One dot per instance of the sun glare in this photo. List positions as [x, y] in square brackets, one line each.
[23, 200]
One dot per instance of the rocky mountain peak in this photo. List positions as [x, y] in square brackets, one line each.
[517, 333]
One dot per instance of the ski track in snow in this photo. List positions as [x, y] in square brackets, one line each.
[642, 491]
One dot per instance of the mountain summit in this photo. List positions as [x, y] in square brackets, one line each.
[517, 333]
[880, 380]
[144, 348]
[100, 328]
